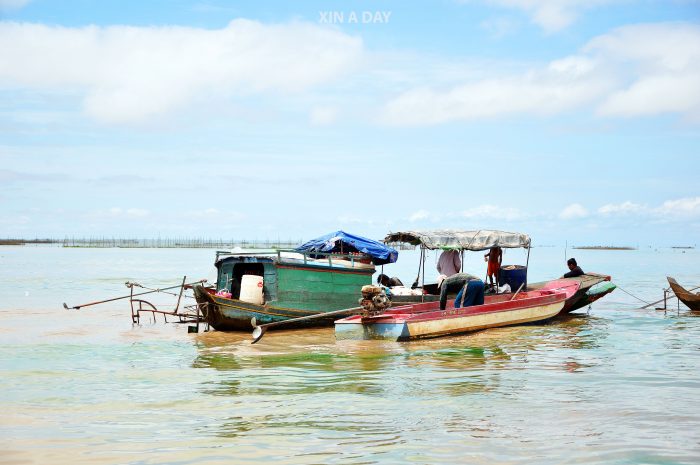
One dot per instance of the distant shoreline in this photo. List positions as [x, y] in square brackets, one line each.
[188, 243]
[603, 247]
[26, 241]
[162, 243]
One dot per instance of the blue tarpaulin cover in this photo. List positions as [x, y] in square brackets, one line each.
[380, 253]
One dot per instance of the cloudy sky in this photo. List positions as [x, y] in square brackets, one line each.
[569, 120]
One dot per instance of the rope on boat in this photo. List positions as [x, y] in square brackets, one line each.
[671, 296]
[632, 295]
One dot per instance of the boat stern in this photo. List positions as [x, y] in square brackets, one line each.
[358, 328]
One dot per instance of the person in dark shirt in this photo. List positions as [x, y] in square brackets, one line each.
[456, 283]
[471, 294]
[575, 270]
[384, 280]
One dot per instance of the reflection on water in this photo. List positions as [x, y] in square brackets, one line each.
[390, 386]
[618, 385]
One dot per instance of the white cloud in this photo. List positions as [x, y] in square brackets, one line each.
[631, 71]
[350, 219]
[210, 214]
[550, 15]
[9, 222]
[623, 208]
[206, 212]
[420, 215]
[660, 65]
[491, 211]
[670, 210]
[545, 92]
[137, 212]
[323, 116]
[6, 5]
[688, 207]
[573, 211]
[118, 212]
[499, 27]
[130, 74]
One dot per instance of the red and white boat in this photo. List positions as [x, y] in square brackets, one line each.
[425, 320]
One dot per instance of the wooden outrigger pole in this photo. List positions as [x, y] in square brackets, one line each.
[195, 314]
[132, 295]
[259, 330]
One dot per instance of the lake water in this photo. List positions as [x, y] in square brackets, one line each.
[613, 385]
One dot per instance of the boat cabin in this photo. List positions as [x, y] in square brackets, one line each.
[319, 276]
[291, 278]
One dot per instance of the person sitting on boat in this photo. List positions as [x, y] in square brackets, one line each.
[494, 258]
[456, 283]
[384, 280]
[575, 270]
[449, 263]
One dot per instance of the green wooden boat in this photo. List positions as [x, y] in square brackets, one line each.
[291, 283]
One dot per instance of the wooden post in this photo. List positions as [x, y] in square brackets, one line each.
[197, 317]
[179, 297]
[664, 299]
[134, 318]
[527, 263]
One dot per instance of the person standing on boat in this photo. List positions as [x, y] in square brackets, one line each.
[449, 263]
[494, 258]
[575, 270]
[457, 283]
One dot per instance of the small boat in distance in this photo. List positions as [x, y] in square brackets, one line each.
[692, 301]
[426, 320]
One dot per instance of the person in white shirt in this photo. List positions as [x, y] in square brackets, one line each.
[449, 263]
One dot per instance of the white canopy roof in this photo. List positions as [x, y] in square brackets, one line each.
[481, 239]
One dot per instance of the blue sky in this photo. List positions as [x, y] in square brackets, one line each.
[569, 120]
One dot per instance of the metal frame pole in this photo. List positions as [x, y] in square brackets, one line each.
[527, 262]
[422, 283]
[179, 297]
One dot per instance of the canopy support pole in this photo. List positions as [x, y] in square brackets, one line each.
[527, 261]
[498, 272]
[422, 284]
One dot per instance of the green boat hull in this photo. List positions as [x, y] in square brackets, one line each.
[296, 290]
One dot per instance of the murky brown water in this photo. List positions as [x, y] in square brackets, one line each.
[616, 386]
